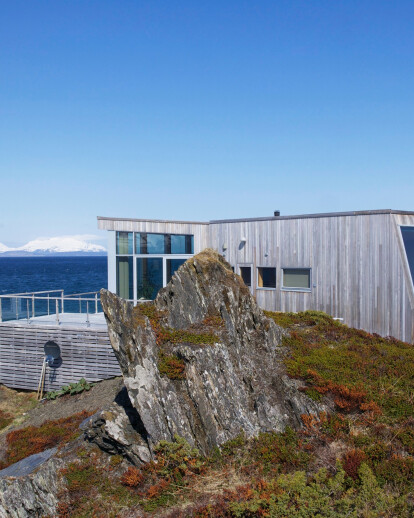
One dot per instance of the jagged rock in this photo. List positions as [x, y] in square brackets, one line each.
[31, 495]
[238, 383]
[118, 430]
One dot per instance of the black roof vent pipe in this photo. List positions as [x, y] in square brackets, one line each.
[276, 213]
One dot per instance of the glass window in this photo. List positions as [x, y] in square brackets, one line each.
[124, 242]
[298, 278]
[266, 277]
[178, 244]
[246, 275]
[163, 243]
[155, 244]
[408, 238]
[149, 277]
[124, 278]
[172, 267]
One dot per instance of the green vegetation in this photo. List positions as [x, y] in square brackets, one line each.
[5, 419]
[171, 366]
[71, 389]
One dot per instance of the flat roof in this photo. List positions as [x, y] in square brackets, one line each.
[267, 218]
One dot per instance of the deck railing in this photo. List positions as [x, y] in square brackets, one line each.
[53, 303]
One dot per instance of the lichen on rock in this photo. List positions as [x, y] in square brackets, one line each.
[232, 383]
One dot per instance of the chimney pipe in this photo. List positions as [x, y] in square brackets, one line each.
[276, 213]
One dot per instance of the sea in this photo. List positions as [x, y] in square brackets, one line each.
[72, 274]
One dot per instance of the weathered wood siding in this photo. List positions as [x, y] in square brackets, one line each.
[86, 353]
[357, 261]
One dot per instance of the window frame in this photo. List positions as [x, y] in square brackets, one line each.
[134, 256]
[265, 288]
[298, 289]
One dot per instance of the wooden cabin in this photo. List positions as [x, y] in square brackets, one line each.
[355, 266]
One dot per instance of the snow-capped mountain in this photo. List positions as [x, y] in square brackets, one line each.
[74, 245]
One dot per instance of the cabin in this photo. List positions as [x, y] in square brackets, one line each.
[356, 266]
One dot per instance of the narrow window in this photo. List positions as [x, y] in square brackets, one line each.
[246, 275]
[124, 243]
[124, 277]
[297, 278]
[408, 238]
[266, 277]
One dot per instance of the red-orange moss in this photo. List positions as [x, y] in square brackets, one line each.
[35, 439]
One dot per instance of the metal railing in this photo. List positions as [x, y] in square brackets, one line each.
[51, 303]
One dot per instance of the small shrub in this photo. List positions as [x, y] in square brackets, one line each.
[171, 366]
[72, 389]
[132, 477]
[352, 462]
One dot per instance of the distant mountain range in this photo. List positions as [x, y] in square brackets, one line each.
[63, 245]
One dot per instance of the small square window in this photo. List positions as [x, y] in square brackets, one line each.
[297, 278]
[266, 277]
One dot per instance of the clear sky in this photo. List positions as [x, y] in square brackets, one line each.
[201, 110]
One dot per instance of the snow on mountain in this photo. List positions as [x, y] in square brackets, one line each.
[4, 248]
[55, 245]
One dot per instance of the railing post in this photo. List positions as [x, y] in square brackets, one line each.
[17, 311]
[1, 311]
[96, 303]
[57, 311]
[33, 305]
[87, 313]
[48, 304]
[63, 308]
[27, 304]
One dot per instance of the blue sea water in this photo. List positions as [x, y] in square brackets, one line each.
[72, 274]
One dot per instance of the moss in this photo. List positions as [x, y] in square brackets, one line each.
[27, 441]
[171, 366]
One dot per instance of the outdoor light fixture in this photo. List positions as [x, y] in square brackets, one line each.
[225, 246]
[243, 239]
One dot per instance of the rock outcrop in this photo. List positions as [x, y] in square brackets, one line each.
[203, 361]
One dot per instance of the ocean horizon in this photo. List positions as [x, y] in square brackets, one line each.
[73, 274]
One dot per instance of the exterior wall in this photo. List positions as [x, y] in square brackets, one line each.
[357, 263]
[86, 353]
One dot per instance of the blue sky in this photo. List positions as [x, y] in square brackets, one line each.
[201, 110]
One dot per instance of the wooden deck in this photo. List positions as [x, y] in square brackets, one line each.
[85, 351]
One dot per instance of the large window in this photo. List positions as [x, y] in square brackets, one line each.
[297, 279]
[408, 238]
[156, 258]
[266, 277]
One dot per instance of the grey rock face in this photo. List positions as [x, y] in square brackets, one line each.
[118, 430]
[236, 384]
[31, 495]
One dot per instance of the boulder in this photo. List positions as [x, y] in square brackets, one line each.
[203, 361]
